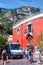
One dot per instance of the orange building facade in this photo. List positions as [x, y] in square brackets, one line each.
[24, 31]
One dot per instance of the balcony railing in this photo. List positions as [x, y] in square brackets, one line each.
[29, 34]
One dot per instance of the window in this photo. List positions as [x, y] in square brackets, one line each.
[29, 28]
[29, 40]
[37, 48]
[18, 30]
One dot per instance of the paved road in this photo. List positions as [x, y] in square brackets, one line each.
[20, 62]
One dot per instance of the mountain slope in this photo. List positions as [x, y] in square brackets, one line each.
[9, 16]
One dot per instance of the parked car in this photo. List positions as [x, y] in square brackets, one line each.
[15, 51]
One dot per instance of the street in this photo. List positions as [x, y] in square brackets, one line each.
[20, 62]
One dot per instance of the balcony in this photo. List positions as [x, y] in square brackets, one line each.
[29, 34]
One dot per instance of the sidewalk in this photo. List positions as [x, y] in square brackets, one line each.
[36, 55]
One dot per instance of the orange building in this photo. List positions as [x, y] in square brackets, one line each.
[24, 31]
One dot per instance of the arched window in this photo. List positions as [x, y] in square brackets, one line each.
[18, 30]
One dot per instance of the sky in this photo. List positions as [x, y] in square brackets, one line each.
[18, 3]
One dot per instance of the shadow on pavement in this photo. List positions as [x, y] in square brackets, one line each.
[33, 61]
[8, 62]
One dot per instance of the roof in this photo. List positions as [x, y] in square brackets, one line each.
[28, 19]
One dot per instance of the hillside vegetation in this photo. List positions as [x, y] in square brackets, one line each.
[8, 17]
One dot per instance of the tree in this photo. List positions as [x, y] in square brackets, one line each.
[37, 10]
[3, 40]
[39, 42]
[6, 25]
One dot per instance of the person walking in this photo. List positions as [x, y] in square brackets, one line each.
[26, 54]
[4, 57]
[31, 53]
